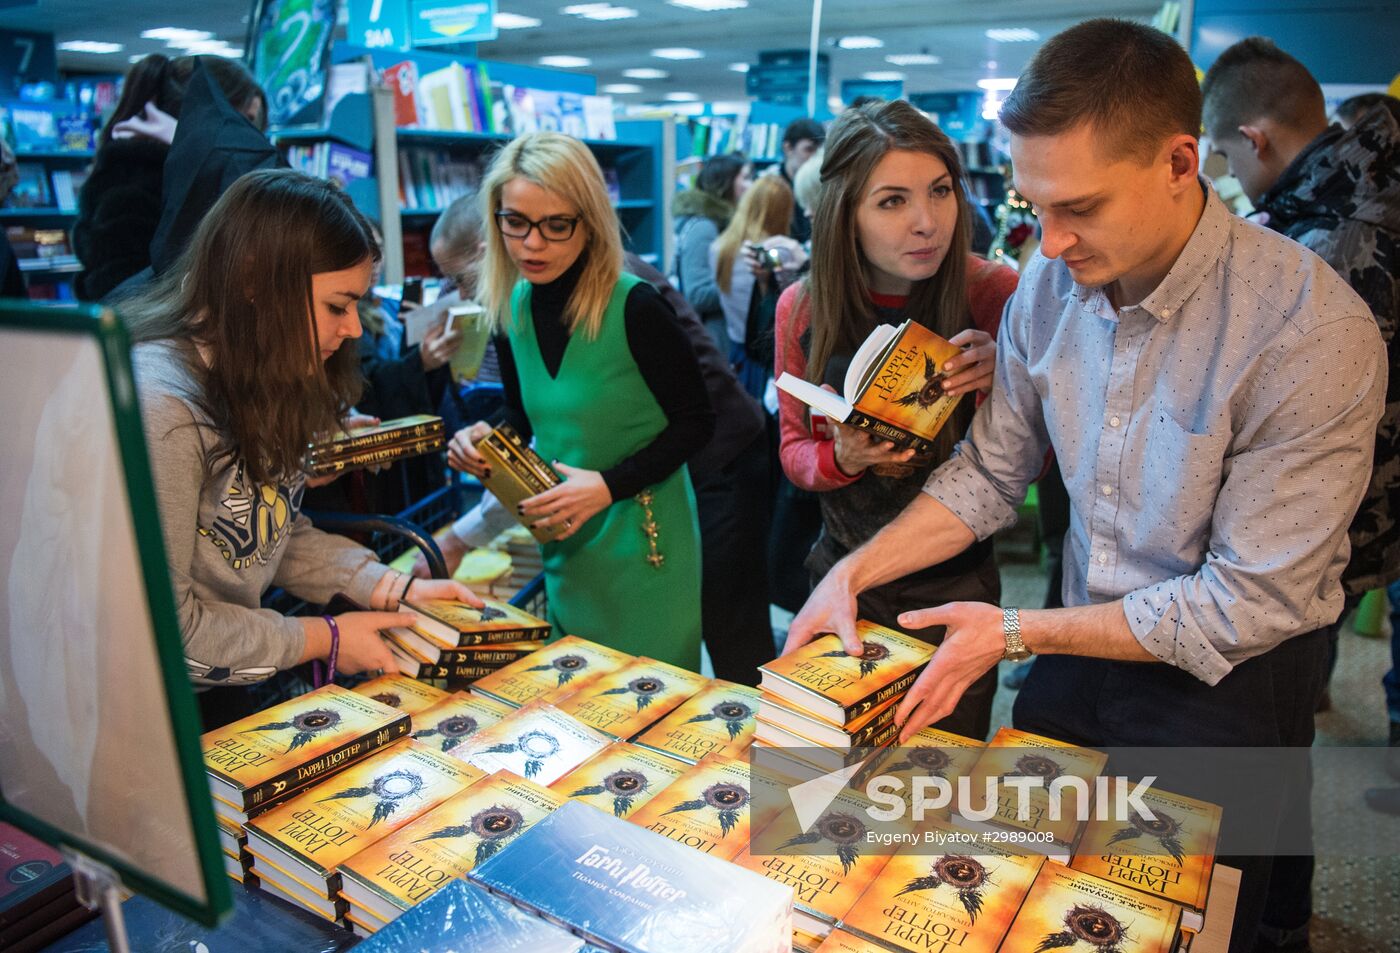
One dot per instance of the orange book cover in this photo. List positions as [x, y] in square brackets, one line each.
[326, 824]
[946, 891]
[821, 678]
[560, 668]
[1170, 856]
[719, 720]
[620, 779]
[708, 808]
[906, 387]
[399, 691]
[930, 753]
[841, 941]
[456, 718]
[626, 701]
[264, 757]
[445, 843]
[1013, 753]
[450, 624]
[829, 865]
[1068, 910]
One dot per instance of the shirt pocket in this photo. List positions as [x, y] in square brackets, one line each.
[1181, 476]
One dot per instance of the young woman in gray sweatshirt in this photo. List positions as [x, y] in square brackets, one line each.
[244, 356]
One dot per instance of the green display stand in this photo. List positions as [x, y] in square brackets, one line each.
[1370, 615]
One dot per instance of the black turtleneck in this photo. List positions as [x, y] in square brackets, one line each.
[667, 364]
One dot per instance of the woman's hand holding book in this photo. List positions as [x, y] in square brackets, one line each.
[461, 451]
[581, 496]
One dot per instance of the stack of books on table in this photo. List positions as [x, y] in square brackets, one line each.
[822, 706]
[376, 445]
[408, 695]
[458, 644]
[265, 759]
[38, 902]
[559, 669]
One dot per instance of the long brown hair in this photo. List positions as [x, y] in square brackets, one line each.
[241, 294]
[764, 211]
[838, 289]
[162, 80]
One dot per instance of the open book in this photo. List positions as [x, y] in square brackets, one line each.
[893, 387]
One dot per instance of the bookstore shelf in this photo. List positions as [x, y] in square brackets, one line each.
[65, 263]
[26, 214]
[72, 155]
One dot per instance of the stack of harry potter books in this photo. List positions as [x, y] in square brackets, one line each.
[455, 644]
[594, 797]
[376, 445]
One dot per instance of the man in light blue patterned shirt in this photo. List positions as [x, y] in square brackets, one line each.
[1211, 391]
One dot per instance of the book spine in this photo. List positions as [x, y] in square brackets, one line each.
[901, 438]
[517, 468]
[877, 733]
[367, 458]
[351, 444]
[492, 656]
[348, 753]
[535, 634]
[856, 709]
[468, 673]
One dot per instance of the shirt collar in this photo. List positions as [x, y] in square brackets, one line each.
[1205, 247]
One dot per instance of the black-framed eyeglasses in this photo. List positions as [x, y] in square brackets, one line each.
[555, 228]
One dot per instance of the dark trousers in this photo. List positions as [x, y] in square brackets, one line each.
[882, 605]
[734, 523]
[1265, 702]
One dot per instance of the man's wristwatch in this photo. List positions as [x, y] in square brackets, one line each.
[1016, 650]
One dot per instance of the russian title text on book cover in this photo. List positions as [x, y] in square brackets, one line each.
[624, 702]
[539, 742]
[1067, 910]
[456, 718]
[443, 844]
[312, 834]
[620, 779]
[719, 721]
[822, 679]
[554, 671]
[1171, 855]
[710, 808]
[944, 891]
[266, 756]
[626, 888]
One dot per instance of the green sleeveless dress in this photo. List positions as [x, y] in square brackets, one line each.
[597, 412]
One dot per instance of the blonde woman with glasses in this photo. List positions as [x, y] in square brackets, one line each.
[597, 370]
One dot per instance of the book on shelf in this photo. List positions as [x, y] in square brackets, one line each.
[625, 702]
[1065, 769]
[821, 678]
[456, 718]
[517, 473]
[450, 624]
[67, 184]
[462, 916]
[300, 845]
[31, 188]
[1066, 909]
[873, 729]
[928, 754]
[619, 779]
[444, 844]
[710, 808]
[402, 79]
[331, 160]
[560, 668]
[1171, 856]
[929, 893]
[267, 757]
[408, 695]
[828, 864]
[625, 888]
[539, 742]
[718, 720]
[893, 388]
[442, 99]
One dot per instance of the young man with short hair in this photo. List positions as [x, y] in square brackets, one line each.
[801, 139]
[1335, 191]
[1168, 351]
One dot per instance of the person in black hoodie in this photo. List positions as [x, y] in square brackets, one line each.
[119, 207]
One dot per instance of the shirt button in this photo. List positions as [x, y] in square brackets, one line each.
[1114, 421]
[1107, 490]
[1166, 313]
[1103, 558]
